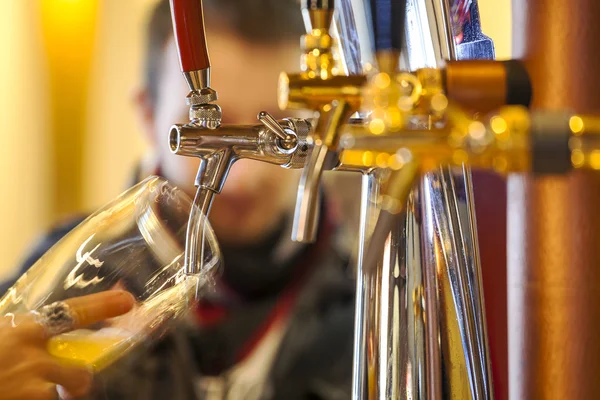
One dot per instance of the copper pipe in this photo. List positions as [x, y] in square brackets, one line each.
[554, 221]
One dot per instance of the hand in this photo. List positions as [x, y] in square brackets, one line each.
[28, 371]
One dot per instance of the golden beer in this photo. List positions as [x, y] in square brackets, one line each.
[87, 348]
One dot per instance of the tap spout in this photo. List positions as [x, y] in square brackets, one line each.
[331, 118]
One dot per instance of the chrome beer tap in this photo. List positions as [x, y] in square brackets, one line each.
[332, 97]
[396, 350]
[421, 292]
[217, 145]
[412, 300]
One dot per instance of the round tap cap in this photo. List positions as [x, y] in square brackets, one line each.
[202, 96]
[207, 115]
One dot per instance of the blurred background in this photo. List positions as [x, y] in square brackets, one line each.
[69, 139]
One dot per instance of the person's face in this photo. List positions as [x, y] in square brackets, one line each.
[256, 194]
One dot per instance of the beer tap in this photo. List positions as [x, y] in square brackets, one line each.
[217, 145]
[332, 97]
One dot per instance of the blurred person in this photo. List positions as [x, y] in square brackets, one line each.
[27, 369]
[279, 323]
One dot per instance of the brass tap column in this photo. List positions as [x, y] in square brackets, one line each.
[554, 221]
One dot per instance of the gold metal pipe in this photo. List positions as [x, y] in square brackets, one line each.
[504, 144]
[477, 85]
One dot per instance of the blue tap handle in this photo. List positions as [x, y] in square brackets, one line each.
[387, 24]
[319, 5]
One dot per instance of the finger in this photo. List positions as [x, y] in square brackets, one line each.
[75, 381]
[97, 307]
[27, 328]
[86, 310]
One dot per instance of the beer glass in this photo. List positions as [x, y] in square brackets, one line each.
[135, 243]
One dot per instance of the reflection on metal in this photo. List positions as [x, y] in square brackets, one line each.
[220, 147]
[423, 327]
[369, 213]
[420, 325]
[326, 128]
[333, 98]
[430, 39]
[346, 33]
[450, 256]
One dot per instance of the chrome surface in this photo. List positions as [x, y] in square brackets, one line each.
[289, 139]
[475, 279]
[364, 306]
[218, 148]
[332, 97]
[307, 201]
[427, 40]
[301, 128]
[349, 30]
[304, 229]
[206, 115]
[198, 80]
[398, 186]
[433, 355]
[201, 112]
[201, 96]
[390, 302]
[256, 142]
[448, 241]
[420, 324]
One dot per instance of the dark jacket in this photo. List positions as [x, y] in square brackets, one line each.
[314, 360]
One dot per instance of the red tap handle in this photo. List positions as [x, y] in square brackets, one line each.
[188, 25]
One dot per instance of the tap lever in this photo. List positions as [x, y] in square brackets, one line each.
[188, 24]
[288, 141]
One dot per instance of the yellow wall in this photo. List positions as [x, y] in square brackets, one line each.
[496, 23]
[42, 116]
[109, 139]
[114, 142]
[24, 156]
